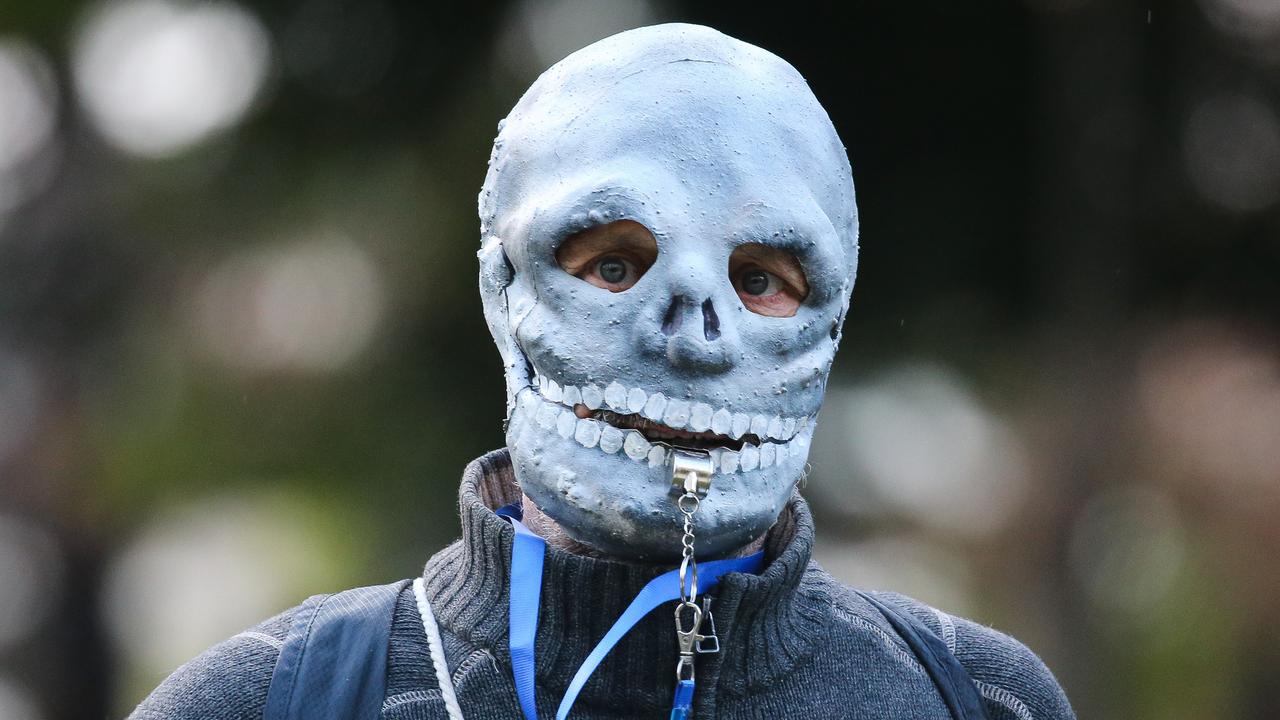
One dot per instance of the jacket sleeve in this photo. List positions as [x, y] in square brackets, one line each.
[1014, 682]
[229, 681]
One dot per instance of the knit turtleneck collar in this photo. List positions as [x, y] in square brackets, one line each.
[766, 622]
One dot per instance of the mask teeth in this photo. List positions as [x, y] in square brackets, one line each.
[676, 413]
[571, 396]
[767, 454]
[590, 432]
[775, 428]
[615, 396]
[610, 439]
[635, 445]
[729, 462]
[587, 432]
[557, 416]
[636, 399]
[565, 425]
[547, 416]
[654, 406]
[726, 460]
[592, 397]
[722, 422]
[657, 456]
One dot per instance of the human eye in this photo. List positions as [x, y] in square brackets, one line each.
[769, 281]
[613, 256]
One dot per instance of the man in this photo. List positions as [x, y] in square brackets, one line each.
[669, 246]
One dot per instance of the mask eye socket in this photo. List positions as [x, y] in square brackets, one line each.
[769, 280]
[613, 256]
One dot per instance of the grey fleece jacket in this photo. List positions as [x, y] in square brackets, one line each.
[794, 641]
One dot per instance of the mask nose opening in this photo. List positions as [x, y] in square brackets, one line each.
[710, 321]
[671, 321]
[674, 316]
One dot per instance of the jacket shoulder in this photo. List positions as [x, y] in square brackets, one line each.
[1015, 683]
[1013, 680]
[229, 681]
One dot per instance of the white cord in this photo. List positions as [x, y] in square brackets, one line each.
[443, 678]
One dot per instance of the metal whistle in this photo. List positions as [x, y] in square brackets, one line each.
[690, 472]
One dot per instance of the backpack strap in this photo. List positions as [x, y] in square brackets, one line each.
[953, 682]
[333, 663]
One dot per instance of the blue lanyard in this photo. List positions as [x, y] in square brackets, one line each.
[526, 591]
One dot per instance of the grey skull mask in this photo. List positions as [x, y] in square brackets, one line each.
[710, 144]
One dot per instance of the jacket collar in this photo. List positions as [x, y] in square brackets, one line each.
[767, 623]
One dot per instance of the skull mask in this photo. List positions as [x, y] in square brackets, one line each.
[686, 172]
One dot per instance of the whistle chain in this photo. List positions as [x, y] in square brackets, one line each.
[688, 637]
[688, 504]
[690, 479]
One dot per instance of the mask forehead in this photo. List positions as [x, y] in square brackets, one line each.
[735, 135]
[710, 144]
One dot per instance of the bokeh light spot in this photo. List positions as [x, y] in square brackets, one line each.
[1244, 19]
[1231, 147]
[200, 572]
[544, 31]
[28, 103]
[1127, 547]
[32, 571]
[158, 76]
[28, 117]
[312, 305]
[928, 448]
[903, 564]
[16, 703]
[1211, 400]
[20, 402]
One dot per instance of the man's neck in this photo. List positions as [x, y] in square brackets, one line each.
[556, 537]
[549, 530]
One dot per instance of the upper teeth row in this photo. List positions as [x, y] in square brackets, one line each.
[672, 412]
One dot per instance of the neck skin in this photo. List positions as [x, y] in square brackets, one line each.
[548, 529]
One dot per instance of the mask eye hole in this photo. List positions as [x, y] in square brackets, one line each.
[613, 256]
[769, 281]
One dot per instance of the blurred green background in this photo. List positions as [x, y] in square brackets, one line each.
[242, 358]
